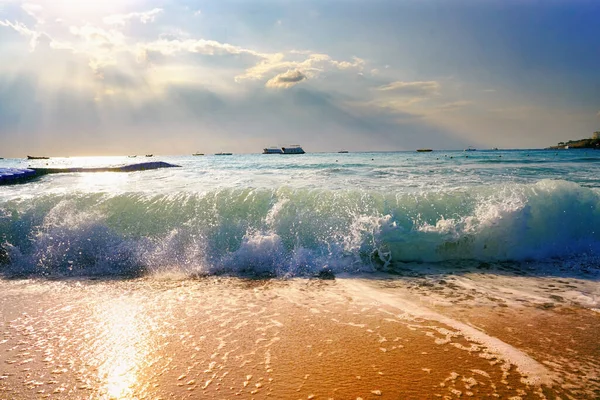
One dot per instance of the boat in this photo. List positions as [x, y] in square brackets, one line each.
[293, 149]
[223, 154]
[343, 151]
[272, 150]
[470, 149]
[149, 155]
[424, 150]
[134, 156]
[37, 158]
[198, 154]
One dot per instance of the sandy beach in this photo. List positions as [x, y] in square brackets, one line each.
[458, 335]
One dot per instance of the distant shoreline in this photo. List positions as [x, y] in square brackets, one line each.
[590, 143]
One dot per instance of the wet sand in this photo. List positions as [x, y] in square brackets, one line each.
[464, 335]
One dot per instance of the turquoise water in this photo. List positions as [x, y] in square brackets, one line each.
[295, 215]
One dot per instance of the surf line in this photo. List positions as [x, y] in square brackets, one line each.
[535, 374]
[20, 175]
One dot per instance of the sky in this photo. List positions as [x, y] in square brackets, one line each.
[117, 77]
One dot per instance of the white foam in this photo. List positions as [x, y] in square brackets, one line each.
[296, 232]
[535, 373]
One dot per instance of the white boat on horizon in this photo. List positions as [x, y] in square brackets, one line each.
[272, 150]
[292, 149]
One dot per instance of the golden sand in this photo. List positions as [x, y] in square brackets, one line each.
[227, 338]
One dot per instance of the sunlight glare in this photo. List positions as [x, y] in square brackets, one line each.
[124, 349]
[103, 181]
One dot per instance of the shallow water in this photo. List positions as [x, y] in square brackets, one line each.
[375, 336]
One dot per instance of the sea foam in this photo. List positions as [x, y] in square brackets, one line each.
[295, 232]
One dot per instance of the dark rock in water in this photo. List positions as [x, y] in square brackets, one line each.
[326, 274]
[4, 258]
[484, 265]
[262, 275]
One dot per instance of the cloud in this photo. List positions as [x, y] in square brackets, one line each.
[399, 96]
[201, 46]
[358, 63]
[108, 45]
[394, 105]
[34, 10]
[122, 19]
[454, 105]
[310, 64]
[34, 36]
[100, 46]
[413, 88]
[269, 65]
[99, 37]
[286, 79]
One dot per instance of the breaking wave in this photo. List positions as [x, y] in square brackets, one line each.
[294, 232]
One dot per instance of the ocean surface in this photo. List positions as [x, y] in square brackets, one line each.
[300, 215]
[442, 274]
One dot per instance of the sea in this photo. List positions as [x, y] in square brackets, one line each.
[297, 215]
[444, 274]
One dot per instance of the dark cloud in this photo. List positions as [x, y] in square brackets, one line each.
[286, 79]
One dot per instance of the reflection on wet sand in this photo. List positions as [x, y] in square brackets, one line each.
[226, 338]
[122, 349]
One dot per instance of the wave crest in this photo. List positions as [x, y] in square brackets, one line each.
[287, 232]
